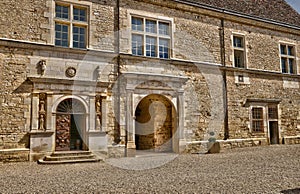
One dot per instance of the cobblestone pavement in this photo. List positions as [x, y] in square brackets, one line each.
[271, 169]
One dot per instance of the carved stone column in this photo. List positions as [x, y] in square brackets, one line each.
[131, 148]
[180, 105]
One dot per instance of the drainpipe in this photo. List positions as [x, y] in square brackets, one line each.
[224, 74]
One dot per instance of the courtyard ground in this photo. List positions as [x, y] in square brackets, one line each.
[270, 169]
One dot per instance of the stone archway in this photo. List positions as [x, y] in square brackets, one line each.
[155, 124]
[70, 125]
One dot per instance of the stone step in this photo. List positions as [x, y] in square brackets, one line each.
[70, 157]
[68, 161]
[70, 153]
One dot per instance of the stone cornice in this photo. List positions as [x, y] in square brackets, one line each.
[46, 47]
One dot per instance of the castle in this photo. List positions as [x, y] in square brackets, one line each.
[117, 76]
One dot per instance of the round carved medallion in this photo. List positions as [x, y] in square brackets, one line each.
[70, 72]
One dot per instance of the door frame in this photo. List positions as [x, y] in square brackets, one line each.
[85, 119]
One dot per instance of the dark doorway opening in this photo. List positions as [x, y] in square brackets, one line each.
[274, 133]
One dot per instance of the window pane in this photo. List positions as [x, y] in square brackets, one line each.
[62, 12]
[164, 48]
[79, 37]
[137, 45]
[291, 66]
[79, 14]
[290, 51]
[137, 24]
[257, 113]
[238, 42]
[284, 67]
[273, 112]
[239, 59]
[257, 119]
[61, 35]
[150, 46]
[164, 28]
[283, 49]
[150, 26]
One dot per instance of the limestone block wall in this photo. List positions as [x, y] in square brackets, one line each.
[24, 20]
[14, 100]
[262, 86]
[261, 45]
[103, 25]
[195, 37]
[34, 22]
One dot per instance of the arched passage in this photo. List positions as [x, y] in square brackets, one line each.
[155, 124]
[70, 125]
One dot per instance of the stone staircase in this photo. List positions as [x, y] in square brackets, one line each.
[70, 157]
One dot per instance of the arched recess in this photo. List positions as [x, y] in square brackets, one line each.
[70, 125]
[156, 124]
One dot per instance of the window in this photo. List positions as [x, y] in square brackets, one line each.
[273, 112]
[257, 119]
[70, 26]
[288, 59]
[239, 51]
[150, 37]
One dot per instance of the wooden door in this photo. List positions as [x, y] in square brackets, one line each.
[63, 125]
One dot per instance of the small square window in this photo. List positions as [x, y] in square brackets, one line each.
[238, 42]
[241, 78]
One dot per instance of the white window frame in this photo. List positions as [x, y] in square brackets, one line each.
[239, 49]
[158, 36]
[287, 56]
[70, 22]
[264, 120]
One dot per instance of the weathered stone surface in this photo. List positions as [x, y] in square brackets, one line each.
[195, 57]
[14, 155]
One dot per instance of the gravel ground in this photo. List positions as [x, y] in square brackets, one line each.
[271, 169]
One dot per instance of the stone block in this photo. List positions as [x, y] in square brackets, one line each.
[213, 147]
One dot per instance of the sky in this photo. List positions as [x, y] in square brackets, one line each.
[295, 4]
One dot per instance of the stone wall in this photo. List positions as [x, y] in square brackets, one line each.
[24, 20]
[262, 45]
[262, 86]
[36, 23]
[195, 37]
[14, 100]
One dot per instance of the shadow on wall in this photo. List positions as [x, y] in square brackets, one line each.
[291, 191]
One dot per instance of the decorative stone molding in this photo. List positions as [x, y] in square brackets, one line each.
[42, 66]
[71, 72]
[42, 111]
[98, 105]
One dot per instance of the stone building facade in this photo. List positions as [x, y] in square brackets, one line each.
[117, 76]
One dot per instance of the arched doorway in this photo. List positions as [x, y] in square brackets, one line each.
[155, 124]
[70, 125]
